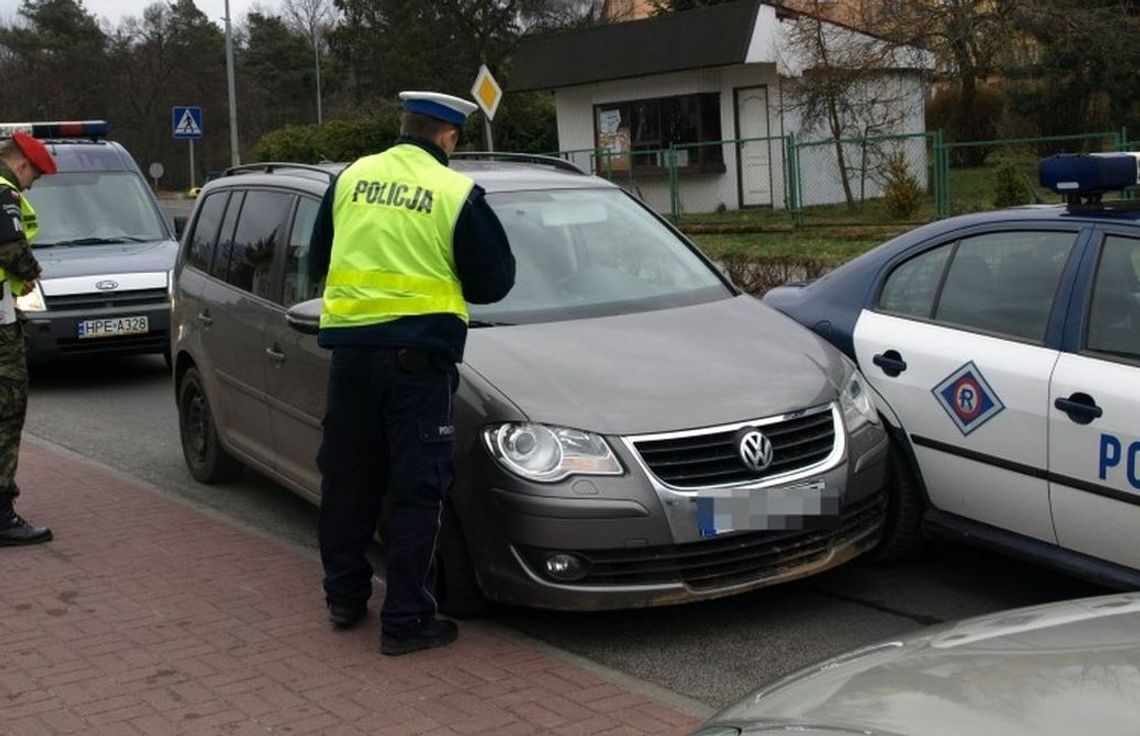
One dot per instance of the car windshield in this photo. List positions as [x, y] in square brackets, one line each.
[92, 208]
[590, 253]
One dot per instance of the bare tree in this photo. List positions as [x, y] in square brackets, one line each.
[313, 19]
[848, 85]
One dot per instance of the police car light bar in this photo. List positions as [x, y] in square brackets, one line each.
[1078, 176]
[92, 129]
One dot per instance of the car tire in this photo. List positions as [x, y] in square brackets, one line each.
[207, 460]
[457, 586]
[902, 537]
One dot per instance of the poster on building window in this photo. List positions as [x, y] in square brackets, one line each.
[613, 141]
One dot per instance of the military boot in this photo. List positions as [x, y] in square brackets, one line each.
[14, 530]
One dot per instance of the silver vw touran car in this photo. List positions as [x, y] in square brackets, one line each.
[632, 430]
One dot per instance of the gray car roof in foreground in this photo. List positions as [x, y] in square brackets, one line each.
[493, 175]
[1058, 669]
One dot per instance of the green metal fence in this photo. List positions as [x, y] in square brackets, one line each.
[773, 181]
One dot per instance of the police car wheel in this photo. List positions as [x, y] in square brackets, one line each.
[206, 459]
[457, 586]
[902, 538]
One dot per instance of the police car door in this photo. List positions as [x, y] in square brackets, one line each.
[956, 344]
[1094, 410]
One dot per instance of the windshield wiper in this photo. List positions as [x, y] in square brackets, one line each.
[487, 323]
[97, 241]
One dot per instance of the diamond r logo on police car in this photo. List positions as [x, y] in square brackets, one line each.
[755, 450]
[967, 398]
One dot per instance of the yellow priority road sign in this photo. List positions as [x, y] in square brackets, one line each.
[487, 92]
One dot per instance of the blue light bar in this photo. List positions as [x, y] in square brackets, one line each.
[91, 129]
[1079, 174]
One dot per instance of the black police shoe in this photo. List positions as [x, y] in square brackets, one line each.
[345, 615]
[15, 531]
[437, 632]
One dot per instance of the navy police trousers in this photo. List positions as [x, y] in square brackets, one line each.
[388, 430]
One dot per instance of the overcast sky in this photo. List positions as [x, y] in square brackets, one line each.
[115, 10]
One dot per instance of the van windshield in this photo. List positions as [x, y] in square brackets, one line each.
[89, 208]
[590, 253]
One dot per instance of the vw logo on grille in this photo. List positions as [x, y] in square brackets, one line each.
[755, 450]
[106, 285]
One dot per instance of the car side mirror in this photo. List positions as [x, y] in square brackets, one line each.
[180, 225]
[305, 317]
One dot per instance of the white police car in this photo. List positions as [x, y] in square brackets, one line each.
[105, 247]
[1005, 351]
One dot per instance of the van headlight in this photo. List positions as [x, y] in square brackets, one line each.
[548, 454]
[855, 400]
[33, 301]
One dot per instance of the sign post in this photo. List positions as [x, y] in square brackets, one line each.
[488, 94]
[156, 171]
[187, 123]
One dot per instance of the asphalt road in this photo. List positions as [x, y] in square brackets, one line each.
[122, 413]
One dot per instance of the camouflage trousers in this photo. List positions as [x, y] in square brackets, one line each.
[13, 406]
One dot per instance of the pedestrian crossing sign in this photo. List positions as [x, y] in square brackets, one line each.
[187, 122]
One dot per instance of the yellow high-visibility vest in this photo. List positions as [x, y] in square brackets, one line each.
[394, 214]
[31, 227]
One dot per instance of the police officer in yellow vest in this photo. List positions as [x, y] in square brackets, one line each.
[23, 159]
[406, 243]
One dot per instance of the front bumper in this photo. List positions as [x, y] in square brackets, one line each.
[54, 334]
[643, 553]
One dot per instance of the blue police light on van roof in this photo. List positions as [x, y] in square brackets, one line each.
[1088, 176]
[91, 129]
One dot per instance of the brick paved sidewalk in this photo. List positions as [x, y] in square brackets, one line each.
[191, 625]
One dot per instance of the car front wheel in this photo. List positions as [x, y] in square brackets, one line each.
[207, 460]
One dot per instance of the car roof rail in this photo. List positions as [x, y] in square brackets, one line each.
[268, 167]
[523, 158]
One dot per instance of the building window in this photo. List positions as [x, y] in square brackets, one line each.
[636, 135]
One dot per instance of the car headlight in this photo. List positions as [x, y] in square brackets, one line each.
[855, 400]
[547, 454]
[33, 301]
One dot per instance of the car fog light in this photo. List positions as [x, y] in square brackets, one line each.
[566, 567]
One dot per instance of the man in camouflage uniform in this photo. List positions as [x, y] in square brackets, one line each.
[23, 159]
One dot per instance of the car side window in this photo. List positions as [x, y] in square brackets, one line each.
[910, 289]
[1114, 319]
[259, 228]
[299, 286]
[221, 260]
[205, 234]
[1005, 282]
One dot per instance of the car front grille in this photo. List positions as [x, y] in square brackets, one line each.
[723, 561]
[152, 342]
[700, 460]
[95, 301]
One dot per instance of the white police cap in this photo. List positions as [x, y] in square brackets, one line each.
[450, 109]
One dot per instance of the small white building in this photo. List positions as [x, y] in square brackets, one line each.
[626, 93]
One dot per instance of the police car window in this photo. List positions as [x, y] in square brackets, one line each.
[1005, 282]
[299, 286]
[1114, 319]
[205, 233]
[259, 228]
[94, 207]
[912, 286]
[221, 260]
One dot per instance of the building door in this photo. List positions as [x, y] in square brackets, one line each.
[753, 157]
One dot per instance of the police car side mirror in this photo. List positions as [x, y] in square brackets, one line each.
[305, 317]
[180, 225]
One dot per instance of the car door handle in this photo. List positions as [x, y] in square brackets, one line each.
[891, 362]
[205, 318]
[275, 354]
[1081, 408]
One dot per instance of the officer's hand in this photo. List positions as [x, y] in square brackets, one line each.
[28, 286]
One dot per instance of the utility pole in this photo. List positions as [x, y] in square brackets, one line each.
[235, 157]
[317, 58]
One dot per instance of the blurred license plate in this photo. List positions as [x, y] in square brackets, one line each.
[779, 508]
[113, 326]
